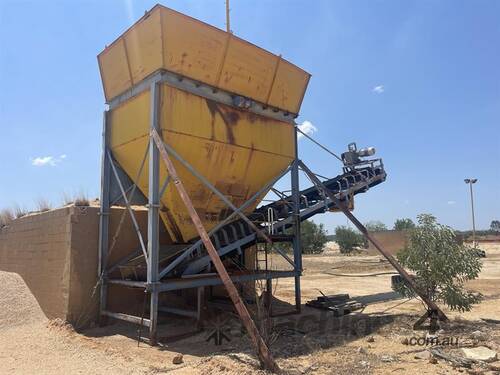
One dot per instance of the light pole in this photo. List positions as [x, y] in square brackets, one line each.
[471, 181]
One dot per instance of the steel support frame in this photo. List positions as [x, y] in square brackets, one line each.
[297, 250]
[431, 305]
[128, 205]
[153, 284]
[265, 356]
[200, 89]
[153, 213]
[209, 280]
[104, 218]
[245, 205]
[236, 210]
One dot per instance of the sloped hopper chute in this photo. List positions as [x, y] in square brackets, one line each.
[213, 77]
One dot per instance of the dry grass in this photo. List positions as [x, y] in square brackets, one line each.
[79, 199]
[6, 217]
[19, 211]
[67, 199]
[43, 205]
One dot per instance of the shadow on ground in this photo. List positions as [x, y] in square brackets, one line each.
[289, 336]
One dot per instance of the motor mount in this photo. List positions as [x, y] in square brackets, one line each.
[353, 156]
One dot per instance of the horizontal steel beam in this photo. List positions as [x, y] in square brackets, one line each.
[203, 90]
[128, 318]
[129, 283]
[201, 280]
[177, 311]
[187, 283]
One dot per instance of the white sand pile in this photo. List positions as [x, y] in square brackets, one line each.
[18, 305]
[331, 248]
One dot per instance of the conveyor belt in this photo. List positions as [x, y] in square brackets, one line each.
[236, 236]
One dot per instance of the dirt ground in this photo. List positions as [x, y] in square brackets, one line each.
[367, 342]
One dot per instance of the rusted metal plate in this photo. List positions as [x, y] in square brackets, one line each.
[262, 350]
[237, 151]
[166, 39]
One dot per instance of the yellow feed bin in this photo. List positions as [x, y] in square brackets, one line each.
[225, 106]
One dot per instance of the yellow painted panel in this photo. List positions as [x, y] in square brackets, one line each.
[289, 87]
[237, 172]
[130, 120]
[166, 39]
[144, 47]
[185, 113]
[239, 164]
[114, 70]
[248, 70]
[191, 48]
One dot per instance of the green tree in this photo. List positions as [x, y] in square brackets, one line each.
[440, 264]
[404, 224]
[313, 237]
[375, 226]
[347, 239]
[495, 225]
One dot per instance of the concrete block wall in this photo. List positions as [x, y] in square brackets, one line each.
[36, 247]
[56, 254]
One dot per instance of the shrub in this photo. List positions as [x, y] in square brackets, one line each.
[404, 224]
[375, 226]
[495, 225]
[313, 237]
[441, 265]
[347, 239]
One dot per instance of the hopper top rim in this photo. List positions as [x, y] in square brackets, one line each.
[160, 6]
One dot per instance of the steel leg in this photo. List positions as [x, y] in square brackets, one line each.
[153, 214]
[104, 221]
[297, 251]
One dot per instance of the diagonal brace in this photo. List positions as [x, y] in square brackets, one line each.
[186, 253]
[127, 203]
[264, 354]
[431, 304]
[170, 150]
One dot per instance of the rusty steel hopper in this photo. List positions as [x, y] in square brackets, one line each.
[226, 107]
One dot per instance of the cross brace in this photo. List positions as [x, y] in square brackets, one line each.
[264, 354]
[409, 280]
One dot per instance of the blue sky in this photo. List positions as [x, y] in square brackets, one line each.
[419, 80]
